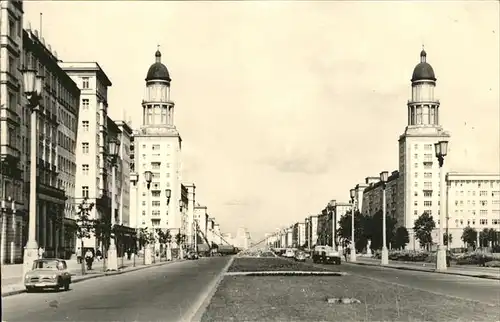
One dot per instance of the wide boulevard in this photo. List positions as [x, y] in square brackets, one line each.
[163, 293]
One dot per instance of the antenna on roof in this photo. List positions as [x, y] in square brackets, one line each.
[41, 20]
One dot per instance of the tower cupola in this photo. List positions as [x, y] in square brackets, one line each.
[158, 71]
[423, 71]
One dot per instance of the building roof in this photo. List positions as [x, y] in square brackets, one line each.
[423, 70]
[158, 71]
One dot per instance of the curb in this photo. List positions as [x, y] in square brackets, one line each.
[203, 303]
[90, 277]
[415, 269]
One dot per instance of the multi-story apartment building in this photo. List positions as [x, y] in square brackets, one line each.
[92, 158]
[183, 209]
[324, 228]
[190, 213]
[57, 121]
[474, 201]
[157, 148]
[313, 230]
[125, 192]
[12, 145]
[418, 166]
[201, 221]
[373, 195]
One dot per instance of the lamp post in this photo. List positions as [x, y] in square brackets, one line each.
[148, 176]
[353, 207]
[114, 146]
[441, 149]
[448, 185]
[33, 84]
[134, 178]
[331, 209]
[168, 194]
[384, 176]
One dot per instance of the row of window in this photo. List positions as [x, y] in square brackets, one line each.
[427, 175]
[481, 222]
[480, 183]
[482, 193]
[473, 202]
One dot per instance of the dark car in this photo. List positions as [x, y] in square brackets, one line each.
[192, 255]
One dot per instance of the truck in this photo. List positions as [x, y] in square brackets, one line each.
[326, 254]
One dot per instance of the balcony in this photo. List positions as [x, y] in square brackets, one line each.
[10, 115]
[46, 190]
[428, 162]
[10, 154]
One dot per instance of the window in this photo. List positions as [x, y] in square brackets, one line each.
[85, 191]
[85, 125]
[428, 203]
[427, 193]
[428, 147]
[415, 212]
[483, 221]
[155, 165]
[156, 193]
[483, 212]
[85, 169]
[428, 175]
[85, 147]
[415, 203]
[85, 103]
[168, 175]
[483, 193]
[483, 202]
[428, 185]
[168, 165]
[416, 174]
[155, 147]
[156, 203]
[85, 82]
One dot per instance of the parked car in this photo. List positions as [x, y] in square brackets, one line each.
[48, 273]
[300, 256]
[326, 254]
[289, 253]
[192, 255]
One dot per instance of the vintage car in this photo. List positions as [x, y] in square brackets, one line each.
[326, 254]
[48, 273]
[192, 255]
[300, 256]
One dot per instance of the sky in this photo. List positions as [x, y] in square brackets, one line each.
[283, 106]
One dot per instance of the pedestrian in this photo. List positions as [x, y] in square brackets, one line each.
[346, 249]
[41, 251]
[98, 255]
[89, 258]
[79, 255]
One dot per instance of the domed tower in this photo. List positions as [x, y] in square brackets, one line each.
[158, 109]
[423, 108]
[418, 183]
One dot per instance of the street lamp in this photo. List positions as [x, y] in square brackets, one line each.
[33, 91]
[353, 247]
[331, 208]
[168, 194]
[134, 178]
[114, 146]
[148, 176]
[441, 149]
[384, 176]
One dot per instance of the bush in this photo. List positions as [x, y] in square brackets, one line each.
[476, 258]
[493, 263]
[407, 256]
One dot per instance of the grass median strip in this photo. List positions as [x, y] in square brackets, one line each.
[307, 298]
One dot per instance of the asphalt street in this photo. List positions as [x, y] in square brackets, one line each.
[163, 293]
[469, 288]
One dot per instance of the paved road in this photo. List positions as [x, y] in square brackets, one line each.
[470, 288]
[163, 293]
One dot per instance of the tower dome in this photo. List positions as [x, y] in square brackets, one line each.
[158, 71]
[423, 70]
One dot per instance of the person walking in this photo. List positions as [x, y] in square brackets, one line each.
[89, 259]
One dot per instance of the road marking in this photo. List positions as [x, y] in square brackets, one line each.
[196, 311]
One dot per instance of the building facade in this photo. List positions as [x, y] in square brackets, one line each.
[418, 167]
[57, 119]
[157, 148]
[125, 192]
[190, 213]
[93, 166]
[13, 133]
[373, 195]
[473, 201]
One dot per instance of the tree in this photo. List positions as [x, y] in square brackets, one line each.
[401, 238]
[145, 238]
[447, 237]
[486, 236]
[344, 230]
[164, 237]
[373, 229]
[469, 236]
[423, 227]
[86, 225]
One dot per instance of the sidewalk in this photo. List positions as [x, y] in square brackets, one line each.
[12, 279]
[461, 270]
